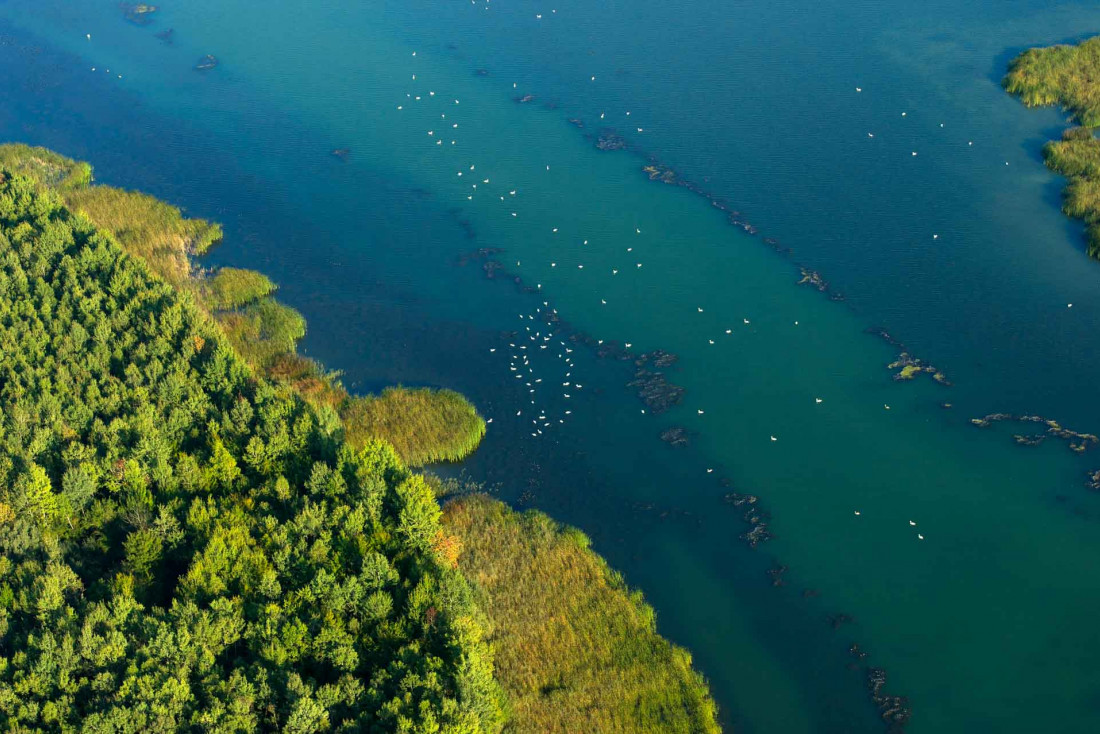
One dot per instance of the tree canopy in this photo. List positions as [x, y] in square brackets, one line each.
[185, 544]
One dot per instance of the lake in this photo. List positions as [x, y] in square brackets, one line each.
[869, 143]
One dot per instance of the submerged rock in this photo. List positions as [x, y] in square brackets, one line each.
[167, 36]
[656, 391]
[525, 99]
[759, 534]
[894, 710]
[675, 436]
[342, 154]
[609, 140]
[909, 367]
[206, 63]
[662, 173]
[138, 13]
[814, 279]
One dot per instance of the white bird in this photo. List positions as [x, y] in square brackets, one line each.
[912, 524]
[886, 406]
[817, 400]
[857, 512]
[774, 438]
[935, 236]
[914, 152]
[858, 89]
[89, 35]
[920, 537]
[745, 320]
[700, 412]
[700, 309]
[729, 331]
[870, 135]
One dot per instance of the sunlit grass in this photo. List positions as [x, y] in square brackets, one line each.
[576, 649]
[1060, 75]
[423, 425]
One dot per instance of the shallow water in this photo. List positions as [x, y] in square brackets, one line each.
[986, 623]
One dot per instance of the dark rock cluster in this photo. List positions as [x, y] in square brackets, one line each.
[894, 710]
[656, 391]
[1076, 441]
[608, 140]
[814, 279]
[675, 436]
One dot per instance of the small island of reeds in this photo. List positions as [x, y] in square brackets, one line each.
[1068, 76]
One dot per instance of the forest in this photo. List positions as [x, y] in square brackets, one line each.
[201, 530]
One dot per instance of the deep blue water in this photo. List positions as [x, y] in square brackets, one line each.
[985, 623]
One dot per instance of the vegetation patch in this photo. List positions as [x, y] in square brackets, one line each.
[1068, 76]
[576, 650]
[424, 425]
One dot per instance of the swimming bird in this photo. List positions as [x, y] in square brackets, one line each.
[710, 340]
[774, 438]
[886, 406]
[745, 320]
[935, 236]
[700, 309]
[700, 412]
[912, 524]
[870, 135]
[920, 537]
[857, 513]
[858, 89]
[1069, 305]
[729, 331]
[817, 400]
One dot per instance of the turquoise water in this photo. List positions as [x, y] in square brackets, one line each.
[986, 623]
